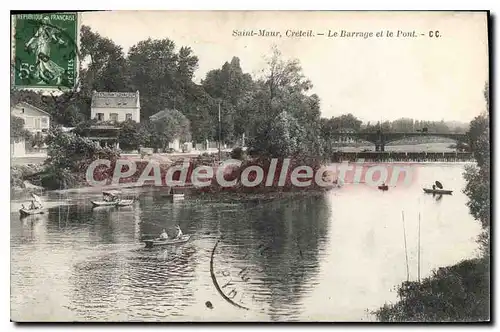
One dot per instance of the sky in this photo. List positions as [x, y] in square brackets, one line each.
[375, 78]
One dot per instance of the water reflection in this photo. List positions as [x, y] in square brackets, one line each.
[276, 245]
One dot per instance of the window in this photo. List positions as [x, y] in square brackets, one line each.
[113, 117]
[128, 116]
[45, 122]
[29, 122]
[100, 116]
[38, 123]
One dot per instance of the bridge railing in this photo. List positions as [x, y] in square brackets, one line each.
[403, 156]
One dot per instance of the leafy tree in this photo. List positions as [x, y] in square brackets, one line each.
[478, 178]
[231, 87]
[345, 121]
[282, 137]
[66, 109]
[172, 125]
[476, 129]
[31, 97]
[162, 75]
[106, 70]
[129, 136]
[201, 110]
[186, 66]
[280, 76]
[69, 156]
[17, 131]
[282, 92]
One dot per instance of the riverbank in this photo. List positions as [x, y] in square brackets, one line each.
[457, 293]
[19, 174]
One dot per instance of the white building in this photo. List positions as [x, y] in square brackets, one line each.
[35, 121]
[115, 106]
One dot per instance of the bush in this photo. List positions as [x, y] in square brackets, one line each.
[453, 294]
[54, 179]
[238, 153]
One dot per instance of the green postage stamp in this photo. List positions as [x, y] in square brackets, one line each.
[45, 50]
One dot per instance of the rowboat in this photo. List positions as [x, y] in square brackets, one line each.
[383, 187]
[29, 212]
[160, 242]
[125, 202]
[111, 198]
[103, 203]
[438, 191]
[121, 202]
[36, 207]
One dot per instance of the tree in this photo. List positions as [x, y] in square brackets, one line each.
[172, 125]
[162, 75]
[280, 75]
[231, 87]
[345, 121]
[477, 128]
[201, 110]
[17, 131]
[478, 179]
[106, 70]
[129, 136]
[69, 156]
[282, 137]
[282, 92]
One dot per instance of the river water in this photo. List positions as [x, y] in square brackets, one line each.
[333, 257]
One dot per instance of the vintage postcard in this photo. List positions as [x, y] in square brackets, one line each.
[235, 166]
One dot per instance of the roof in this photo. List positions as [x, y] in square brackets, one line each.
[25, 104]
[160, 114]
[115, 99]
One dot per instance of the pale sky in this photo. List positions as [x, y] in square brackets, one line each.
[375, 79]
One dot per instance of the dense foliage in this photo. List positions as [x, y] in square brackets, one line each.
[17, 131]
[69, 156]
[459, 293]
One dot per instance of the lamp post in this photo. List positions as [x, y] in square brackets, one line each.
[220, 134]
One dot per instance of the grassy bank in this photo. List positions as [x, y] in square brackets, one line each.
[458, 293]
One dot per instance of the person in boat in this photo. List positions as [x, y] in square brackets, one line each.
[179, 232]
[433, 187]
[164, 235]
[33, 205]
